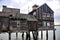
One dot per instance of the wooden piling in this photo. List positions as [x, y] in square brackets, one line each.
[33, 35]
[46, 34]
[9, 35]
[37, 36]
[22, 35]
[28, 36]
[16, 35]
[41, 35]
[54, 35]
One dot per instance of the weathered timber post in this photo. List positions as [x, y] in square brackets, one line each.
[16, 35]
[9, 35]
[54, 35]
[9, 28]
[22, 35]
[41, 35]
[35, 35]
[46, 34]
[27, 35]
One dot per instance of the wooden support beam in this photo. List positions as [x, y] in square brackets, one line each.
[46, 34]
[28, 36]
[37, 36]
[41, 35]
[16, 35]
[34, 35]
[54, 38]
[22, 35]
[9, 35]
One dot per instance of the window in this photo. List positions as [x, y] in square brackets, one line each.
[52, 23]
[15, 23]
[44, 23]
[48, 23]
[43, 14]
[34, 13]
[48, 15]
[52, 16]
[18, 24]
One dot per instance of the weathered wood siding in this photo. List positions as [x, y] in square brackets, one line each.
[20, 26]
[3, 24]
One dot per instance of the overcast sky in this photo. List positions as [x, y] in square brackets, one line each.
[24, 4]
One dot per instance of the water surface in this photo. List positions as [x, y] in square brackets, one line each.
[4, 36]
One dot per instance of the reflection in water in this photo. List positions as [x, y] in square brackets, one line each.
[4, 36]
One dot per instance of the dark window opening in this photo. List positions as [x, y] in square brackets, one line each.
[11, 15]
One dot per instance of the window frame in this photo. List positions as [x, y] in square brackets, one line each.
[44, 24]
[34, 13]
[48, 24]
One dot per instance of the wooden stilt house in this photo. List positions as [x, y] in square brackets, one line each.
[45, 16]
[40, 18]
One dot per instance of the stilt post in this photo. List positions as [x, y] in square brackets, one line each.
[46, 34]
[54, 35]
[16, 35]
[41, 35]
[9, 35]
[22, 35]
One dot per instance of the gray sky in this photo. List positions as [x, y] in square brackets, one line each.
[24, 4]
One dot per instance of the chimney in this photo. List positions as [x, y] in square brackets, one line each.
[4, 6]
[34, 7]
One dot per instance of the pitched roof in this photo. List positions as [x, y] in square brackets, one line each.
[40, 7]
[47, 6]
[27, 17]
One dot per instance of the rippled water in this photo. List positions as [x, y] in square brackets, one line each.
[4, 36]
